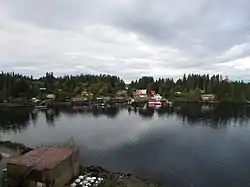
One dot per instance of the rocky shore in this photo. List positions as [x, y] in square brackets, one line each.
[111, 179]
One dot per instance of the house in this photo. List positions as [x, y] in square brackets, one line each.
[44, 166]
[140, 93]
[127, 86]
[207, 97]
[157, 97]
[178, 93]
[152, 92]
[120, 96]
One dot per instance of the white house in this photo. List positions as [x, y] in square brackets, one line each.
[141, 93]
[157, 97]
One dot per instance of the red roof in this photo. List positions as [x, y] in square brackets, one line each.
[43, 158]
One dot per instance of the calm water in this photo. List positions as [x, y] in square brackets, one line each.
[188, 145]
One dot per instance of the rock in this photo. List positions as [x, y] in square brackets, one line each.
[1, 156]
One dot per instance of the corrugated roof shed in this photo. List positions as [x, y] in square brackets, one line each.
[43, 157]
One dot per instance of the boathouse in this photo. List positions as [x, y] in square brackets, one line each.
[44, 167]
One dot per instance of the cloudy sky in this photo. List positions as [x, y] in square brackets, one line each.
[128, 38]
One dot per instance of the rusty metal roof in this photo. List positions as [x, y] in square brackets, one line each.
[43, 158]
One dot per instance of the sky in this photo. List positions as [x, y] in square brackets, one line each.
[128, 38]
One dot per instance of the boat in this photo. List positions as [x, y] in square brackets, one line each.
[158, 102]
[155, 100]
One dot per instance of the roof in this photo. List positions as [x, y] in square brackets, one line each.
[43, 158]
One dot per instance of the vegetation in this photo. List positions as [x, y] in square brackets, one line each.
[192, 86]
[3, 177]
[18, 88]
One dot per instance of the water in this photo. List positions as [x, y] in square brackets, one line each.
[185, 146]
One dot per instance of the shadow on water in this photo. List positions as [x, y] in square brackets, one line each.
[108, 112]
[111, 112]
[147, 113]
[15, 120]
[214, 116]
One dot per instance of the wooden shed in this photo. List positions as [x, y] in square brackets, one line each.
[44, 167]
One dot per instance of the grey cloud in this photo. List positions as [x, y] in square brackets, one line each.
[60, 14]
[213, 24]
[63, 14]
[204, 34]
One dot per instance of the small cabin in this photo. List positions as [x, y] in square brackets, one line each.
[44, 166]
[141, 93]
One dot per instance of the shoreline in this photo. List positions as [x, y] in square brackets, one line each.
[58, 104]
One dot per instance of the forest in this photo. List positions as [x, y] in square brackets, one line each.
[15, 87]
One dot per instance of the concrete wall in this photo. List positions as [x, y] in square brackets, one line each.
[66, 176]
[64, 172]
[15, 171]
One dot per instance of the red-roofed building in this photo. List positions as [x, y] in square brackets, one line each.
[152, 92]
[46, 166]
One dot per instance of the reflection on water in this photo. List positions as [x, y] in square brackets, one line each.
[15, 120]
[185, 145]
[214, 116]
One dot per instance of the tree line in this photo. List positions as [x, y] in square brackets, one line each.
[192, 86]
[17, 87]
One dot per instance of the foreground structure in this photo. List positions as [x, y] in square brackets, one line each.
[44, 167]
